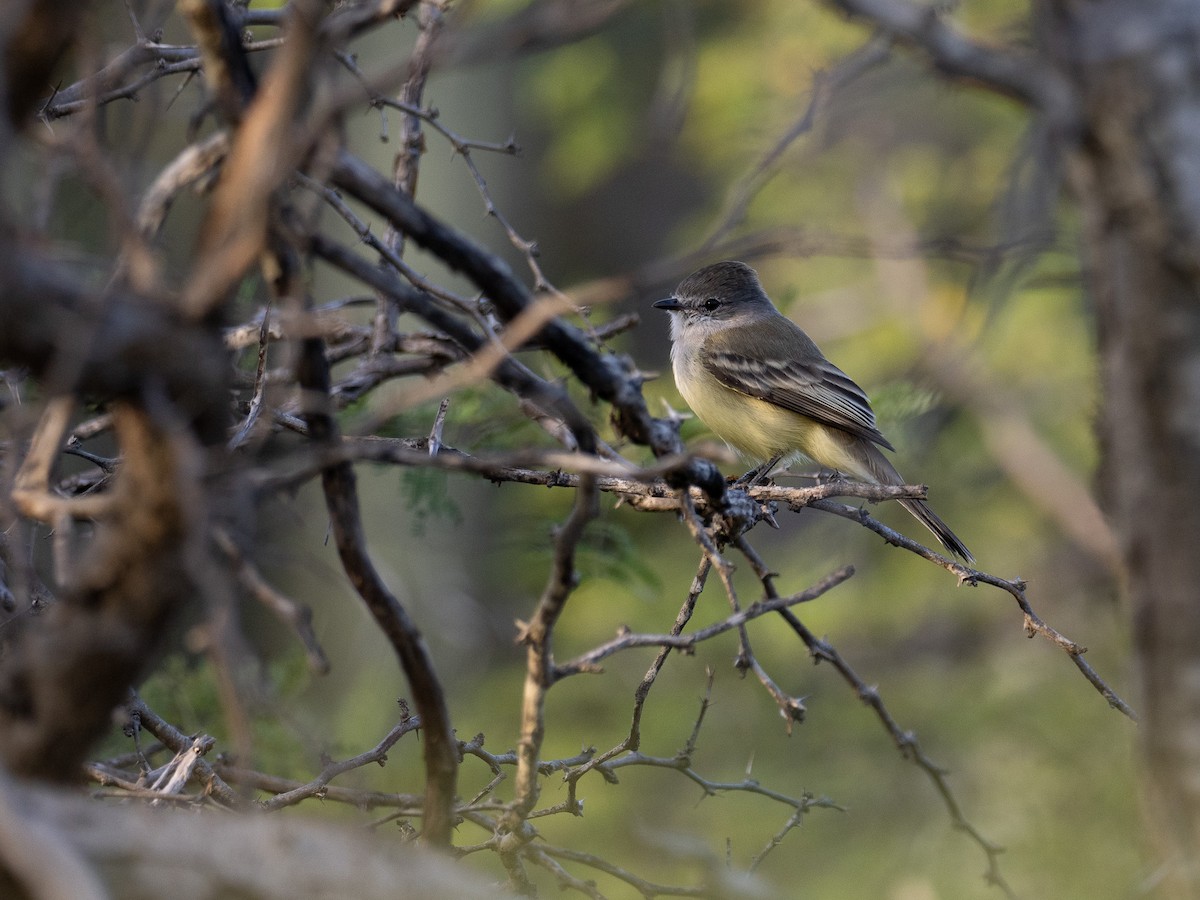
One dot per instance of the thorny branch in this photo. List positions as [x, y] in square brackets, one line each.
[160, 357]
[643, 490]
[906, 741]
[541, 673]
[1033, 623]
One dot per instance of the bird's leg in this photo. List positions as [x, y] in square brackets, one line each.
[830, 476]
[758, 474]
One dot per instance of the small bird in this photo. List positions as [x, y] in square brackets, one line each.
[766, 389]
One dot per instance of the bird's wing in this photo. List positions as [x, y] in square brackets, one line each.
[818, 390]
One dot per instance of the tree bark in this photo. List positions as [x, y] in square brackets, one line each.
[1135, 170]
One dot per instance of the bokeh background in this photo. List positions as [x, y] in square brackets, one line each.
[908, 228]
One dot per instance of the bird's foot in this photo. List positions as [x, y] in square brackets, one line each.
[759, 474]
[830, 476]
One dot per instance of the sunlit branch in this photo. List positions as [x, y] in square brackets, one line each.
[1032, 622]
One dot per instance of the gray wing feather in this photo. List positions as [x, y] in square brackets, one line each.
[819, 390]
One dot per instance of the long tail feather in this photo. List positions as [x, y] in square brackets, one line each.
[881, 468]
[941, 531]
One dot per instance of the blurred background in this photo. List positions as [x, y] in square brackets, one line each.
[904, 222]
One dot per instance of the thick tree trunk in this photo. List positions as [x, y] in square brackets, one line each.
[1136, 172]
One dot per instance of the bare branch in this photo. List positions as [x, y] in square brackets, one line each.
[263, 150]
[341, 498]
[507, 371]
[1022, 76]
[142, 716]
[848, 68]
[966, 575]
[791, 708]
[537, 636]
[588, 661]
[605, 375]
[298, 617]
[377, 754]
[905, 741]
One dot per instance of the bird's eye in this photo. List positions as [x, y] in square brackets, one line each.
[711, 303]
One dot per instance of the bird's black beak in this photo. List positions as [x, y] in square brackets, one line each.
[668, 303]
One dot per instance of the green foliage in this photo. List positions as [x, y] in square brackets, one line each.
[184, 690]
[610, 551]
[425, 493]
[898, 402]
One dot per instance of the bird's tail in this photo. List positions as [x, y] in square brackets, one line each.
[940, 529]
[886, 473]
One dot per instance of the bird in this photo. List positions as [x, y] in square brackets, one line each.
[766, 389]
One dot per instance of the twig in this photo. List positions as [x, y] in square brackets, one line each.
[260, 386]
[406, 166]
[794, 821]
[633, 739]
[507, 371]
[341, 499]
[644, 488]
[592, 861]
[176, 741]
[824, 84]
[361, 799]
[439, 422]
[905, 741]
[791, 708]
[1016, 587]
[377, 754]
[413, 143]
[287, 610]
[537, 636]
[368, 237]
[588, 662]
[1035, 625]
